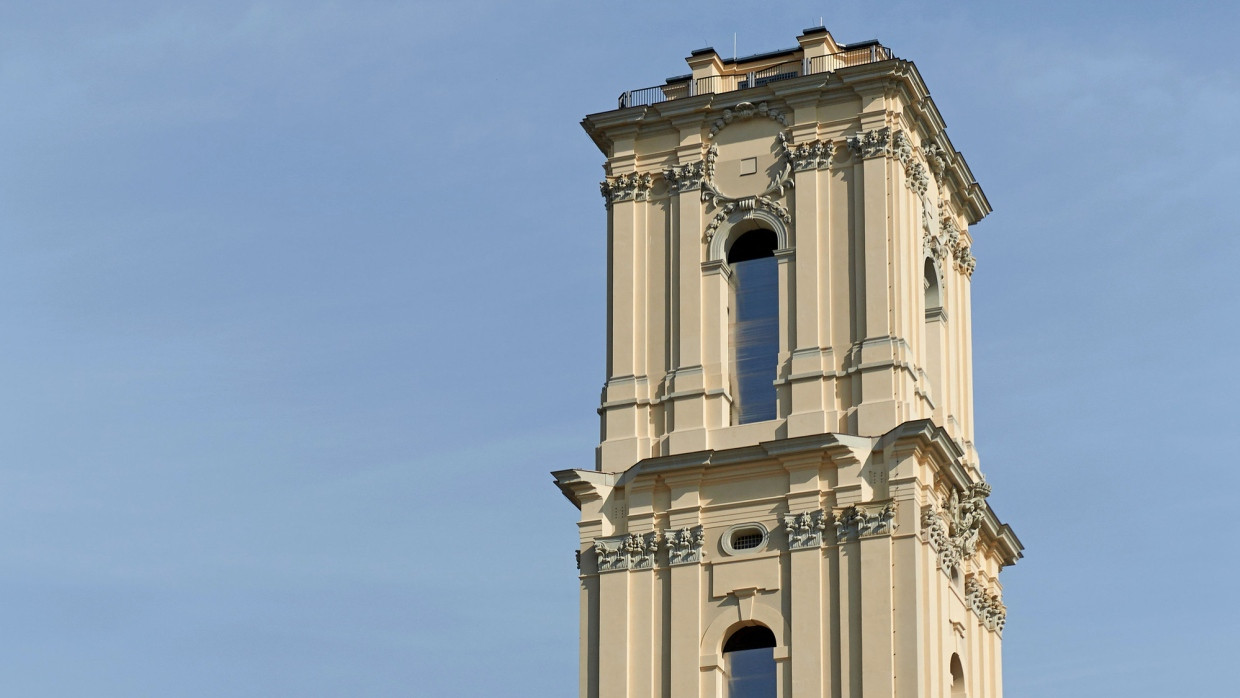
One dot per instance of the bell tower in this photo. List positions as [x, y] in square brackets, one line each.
[786, 499]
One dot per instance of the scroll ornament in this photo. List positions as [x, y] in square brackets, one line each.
[684, 545]
[805, 529]
[633, 551]
[988, 607]
[862, 522]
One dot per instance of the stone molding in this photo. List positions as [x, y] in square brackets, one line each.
[684, 545]
[864, 522]
[745, 111]
[628, 552]
[988, 607]
[633, 186]
[871, 144]
[805, 529]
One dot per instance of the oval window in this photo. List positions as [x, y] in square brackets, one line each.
[745, 538]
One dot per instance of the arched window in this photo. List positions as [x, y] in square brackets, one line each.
[934, 336]
[754, 325]
[957, 670]
[749, 658]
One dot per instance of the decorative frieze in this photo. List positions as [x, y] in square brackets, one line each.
[805, 529]
[810, 155]
[745, 111]
[871, 144]
[862, 522]
[631, 186]
[687, 177]
[988, 607]
[684, 545]
[628, 552]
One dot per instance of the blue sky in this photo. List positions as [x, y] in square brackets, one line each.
[281, 391]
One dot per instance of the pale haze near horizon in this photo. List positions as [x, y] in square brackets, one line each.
[304, 301]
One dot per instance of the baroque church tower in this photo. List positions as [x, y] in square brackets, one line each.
[786, 499]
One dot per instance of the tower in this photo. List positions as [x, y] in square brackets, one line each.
[786, 498]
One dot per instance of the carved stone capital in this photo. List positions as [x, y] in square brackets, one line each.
[810, 155]
[632, 186]
[628, 552]
[871, 144]
[863, 522]
[684, 545]
[805, 529]
[687, 177]
[935, 530]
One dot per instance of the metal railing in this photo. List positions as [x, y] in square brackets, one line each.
[690, 87]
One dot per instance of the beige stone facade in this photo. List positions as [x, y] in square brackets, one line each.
[869, 550]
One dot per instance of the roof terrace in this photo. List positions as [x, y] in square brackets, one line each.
[817, 53]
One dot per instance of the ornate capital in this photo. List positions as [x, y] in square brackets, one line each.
[810, 155]
[805, 529]
[743, 112]
[684, 545]
[935, 529]
[863, 522]
[988, 607]
[632, 186]
[871, 144]
[687, 177]
[633, 551]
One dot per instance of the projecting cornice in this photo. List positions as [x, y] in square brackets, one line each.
[606, 128]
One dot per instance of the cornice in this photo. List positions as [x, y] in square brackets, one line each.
[582, 485]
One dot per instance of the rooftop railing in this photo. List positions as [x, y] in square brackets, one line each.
[691, 87]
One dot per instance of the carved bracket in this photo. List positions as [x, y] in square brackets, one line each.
[863, 522]
[684, 545]
[988, 607]
[805, 529]
[628, 552]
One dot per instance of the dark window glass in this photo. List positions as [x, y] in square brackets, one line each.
[755, 325]
[749, 656]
